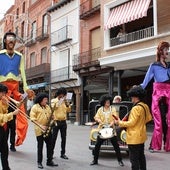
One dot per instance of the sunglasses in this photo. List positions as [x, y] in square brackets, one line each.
[10, 38]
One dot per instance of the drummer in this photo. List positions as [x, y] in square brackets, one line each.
[104, 118]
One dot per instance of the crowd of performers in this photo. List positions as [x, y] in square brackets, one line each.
[50, 119]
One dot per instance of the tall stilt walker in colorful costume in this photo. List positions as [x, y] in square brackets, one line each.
[160, 71]
[11, 67]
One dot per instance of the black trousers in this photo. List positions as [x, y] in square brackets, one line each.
[114, 143]
[40, 143]
[4, 149]
[62, 127]
[11, 127]
[137, 157]
[11, 132]
[163, 109]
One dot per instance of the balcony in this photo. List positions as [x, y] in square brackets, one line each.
[88, 8]
[42, 33]
[62, 35]
[58, 4]
[63, 74]
[30, 42]
[86, 59]
[133, 36]
[42, 70]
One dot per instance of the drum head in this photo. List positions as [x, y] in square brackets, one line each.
[123, 135]
[106, 133]
[93, 134]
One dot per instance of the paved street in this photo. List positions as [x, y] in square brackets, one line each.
[79, 154]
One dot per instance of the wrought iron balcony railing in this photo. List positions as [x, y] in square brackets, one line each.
[31, 40]
[86, 59]
[42, 33]
[133, 36]
[61, 74]
[62, 35]
[88, 8]
[38, 71]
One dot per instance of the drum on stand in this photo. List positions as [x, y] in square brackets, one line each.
[106, 133]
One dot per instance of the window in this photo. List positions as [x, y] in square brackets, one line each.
[32, 59]
[23, 7]
[133, 30]
[45, 24]
[22, 29]
[16, 31]
[17, 13]
[64, 58]
[44, 55]
[33, 33]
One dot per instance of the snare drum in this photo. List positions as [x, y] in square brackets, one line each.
[106, 133]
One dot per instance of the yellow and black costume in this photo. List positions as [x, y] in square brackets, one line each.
[60, 115]
[104, 117]
[41, 114]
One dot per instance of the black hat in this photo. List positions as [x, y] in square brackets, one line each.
[3, 88]
[136, 91]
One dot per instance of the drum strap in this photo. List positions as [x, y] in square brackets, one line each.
[137, 105]
[143, 108]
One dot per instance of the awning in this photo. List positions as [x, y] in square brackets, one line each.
[36, 86]
[127, 12]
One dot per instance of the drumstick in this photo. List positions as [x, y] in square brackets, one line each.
[115, 117]
[125, 118]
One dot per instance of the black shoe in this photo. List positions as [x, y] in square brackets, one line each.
[51, 164]
[94, 163]
[40, 166]
[121, 163]
[64, 157]
[12, 148]
[151, 150]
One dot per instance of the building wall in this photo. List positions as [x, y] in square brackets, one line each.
[163, 16]
[163, 31]
[36, 12]
[85, 27]
[9, 19]
[71, 12]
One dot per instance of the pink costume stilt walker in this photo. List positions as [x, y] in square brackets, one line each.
[160, 89]
[160, 72]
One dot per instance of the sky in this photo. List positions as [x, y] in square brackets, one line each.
[4, 6]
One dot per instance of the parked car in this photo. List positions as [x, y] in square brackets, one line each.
[122, 108]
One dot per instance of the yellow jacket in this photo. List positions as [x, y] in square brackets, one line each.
[106, 119]
[60, 109]
[136, 124]
[4, 117]
[41, 115]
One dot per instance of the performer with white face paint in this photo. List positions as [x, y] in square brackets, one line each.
[160, 71]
